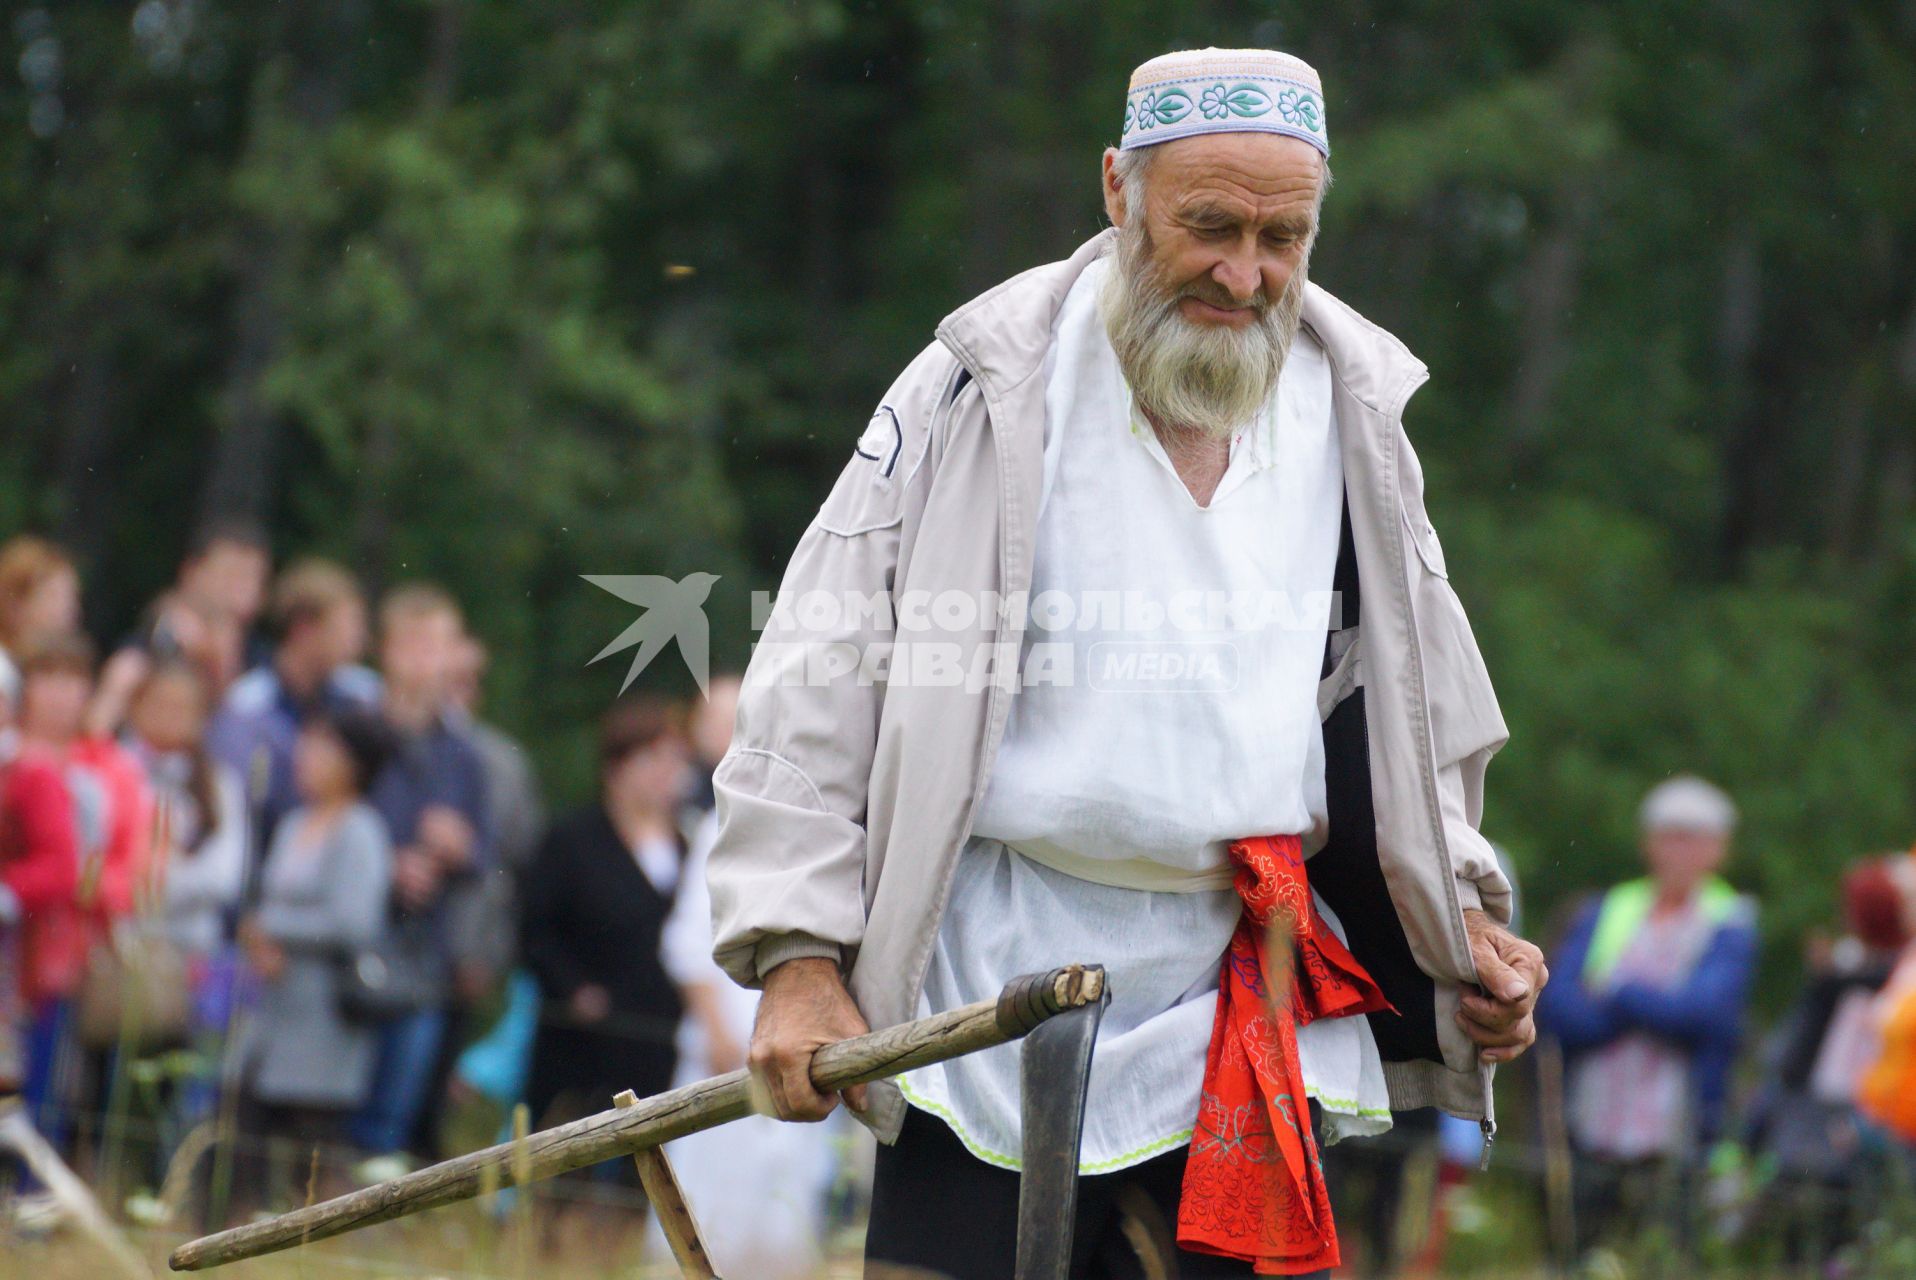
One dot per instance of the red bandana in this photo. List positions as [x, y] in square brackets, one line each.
[1253, 1187]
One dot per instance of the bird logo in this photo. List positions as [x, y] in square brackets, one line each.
[673, 611]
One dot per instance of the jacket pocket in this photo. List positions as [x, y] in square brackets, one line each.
[1423, 536]
[1410, 495]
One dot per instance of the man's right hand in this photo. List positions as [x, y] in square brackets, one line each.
[805, 1006]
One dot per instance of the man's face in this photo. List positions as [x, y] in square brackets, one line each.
[1230, 218]
[339, 634]
[231, 577]
[1680, 857]
[417, 649]
[1208, 287]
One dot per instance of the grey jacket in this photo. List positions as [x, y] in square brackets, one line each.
[319, 904]
[844, 802]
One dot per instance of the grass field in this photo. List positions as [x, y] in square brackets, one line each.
[452, 1245]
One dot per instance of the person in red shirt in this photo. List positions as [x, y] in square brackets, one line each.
[39, 869]
[110, 812]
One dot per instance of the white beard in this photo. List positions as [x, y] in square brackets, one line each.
[1210, 379]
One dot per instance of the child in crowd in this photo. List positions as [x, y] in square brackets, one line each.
[201, 839]
[38, 871]
[323, 895]
[202, 809]
[110, 812]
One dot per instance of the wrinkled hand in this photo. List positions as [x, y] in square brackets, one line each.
[1510, 973]
[805, 1006]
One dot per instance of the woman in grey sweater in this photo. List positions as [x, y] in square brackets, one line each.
[323, 894]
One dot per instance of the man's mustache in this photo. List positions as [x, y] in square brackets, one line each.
[1209, 291]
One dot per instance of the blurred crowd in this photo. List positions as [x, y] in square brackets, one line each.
[254, 888]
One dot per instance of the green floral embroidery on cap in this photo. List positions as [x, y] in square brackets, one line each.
[1164, 106]
[1300, 108]
[1243, 100]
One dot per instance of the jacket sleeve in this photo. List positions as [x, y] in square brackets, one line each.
[1467, 727]
[1569, 1009]
[787, 870]
[1481, 882]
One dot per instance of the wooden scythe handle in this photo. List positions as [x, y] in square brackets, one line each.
[622, 1131]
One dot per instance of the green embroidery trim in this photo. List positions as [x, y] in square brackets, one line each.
[1163, 106]
[1242, 100]
[1342, 1106]
[1140, 1153]
[1300, 108]
[983, 1152]
[1004, 1161]
[1348, 1106]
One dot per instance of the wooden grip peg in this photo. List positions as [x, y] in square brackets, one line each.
[668, 1202]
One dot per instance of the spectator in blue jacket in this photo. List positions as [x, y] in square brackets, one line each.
[1648, 1002]
[319, 618]
[432, 794]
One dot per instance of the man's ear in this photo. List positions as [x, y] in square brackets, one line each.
[1114, 194]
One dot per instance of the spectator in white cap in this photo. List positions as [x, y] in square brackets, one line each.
[1175, 414]
[1648, 1002]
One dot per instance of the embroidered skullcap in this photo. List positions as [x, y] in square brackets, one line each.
[1224, 91]
[1687, 803]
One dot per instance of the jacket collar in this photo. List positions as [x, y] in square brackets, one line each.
[1002, 335]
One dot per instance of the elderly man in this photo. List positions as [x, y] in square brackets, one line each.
[1150, 467]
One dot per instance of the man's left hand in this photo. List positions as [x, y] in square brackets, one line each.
[1510, 974]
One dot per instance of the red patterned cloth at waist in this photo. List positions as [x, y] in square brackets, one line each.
[1253, 1185]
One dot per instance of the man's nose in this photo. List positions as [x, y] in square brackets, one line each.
[1238, 275]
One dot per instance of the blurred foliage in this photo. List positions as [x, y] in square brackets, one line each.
[503, 294]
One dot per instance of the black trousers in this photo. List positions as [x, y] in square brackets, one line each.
[940, 1213]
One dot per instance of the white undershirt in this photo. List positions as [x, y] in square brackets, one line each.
[1117, 784]
[658, 858]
